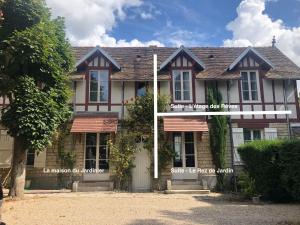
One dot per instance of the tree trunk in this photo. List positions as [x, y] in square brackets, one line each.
[17, 177]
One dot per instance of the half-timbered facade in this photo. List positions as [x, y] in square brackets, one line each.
[249, 79]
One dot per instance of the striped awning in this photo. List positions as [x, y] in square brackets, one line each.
[94, 123]
[185, 124]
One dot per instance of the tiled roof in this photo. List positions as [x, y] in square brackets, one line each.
[216, 67]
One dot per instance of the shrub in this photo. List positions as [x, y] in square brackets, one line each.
[274, 165]
[247, 185]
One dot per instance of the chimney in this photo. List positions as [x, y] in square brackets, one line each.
[273, 41]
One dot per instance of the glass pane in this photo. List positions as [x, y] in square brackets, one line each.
[91, 139]
[94, 86]
[90, 152]
[177, 85]
[103, 164]
[186, 85]
[189, 137]
[103, 152]
[177, 95]
[90, 164]
[141, 89]
[189, 149]
[246, 95]
[94, 76]
[177, 150]
[103, 75]
[186, 95]
[186, 76]
[103, 91]
[176, 75]
[247, 135]
[190, 161]
[256, 135]
[103, 139]
[30, 157]
[254, 95]
[93, 96]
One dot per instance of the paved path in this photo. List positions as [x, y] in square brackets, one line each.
[144, 208]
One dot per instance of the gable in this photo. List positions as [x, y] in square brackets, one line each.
[181, 61]
[98, 61]
[243, 60]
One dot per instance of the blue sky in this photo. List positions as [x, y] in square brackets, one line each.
[205, 20]
[182, 22]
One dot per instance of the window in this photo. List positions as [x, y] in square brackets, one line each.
[30, 158]
[251, 135]
[182, 83]
[97, 158]
[99, 85]
[141, 88]
[250, 85]
[183, 144]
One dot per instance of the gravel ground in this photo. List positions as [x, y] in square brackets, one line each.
[143, 208]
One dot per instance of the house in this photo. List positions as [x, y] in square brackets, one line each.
[249, 79]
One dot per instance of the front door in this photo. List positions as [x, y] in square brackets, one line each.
[96, 157]
[185, 159]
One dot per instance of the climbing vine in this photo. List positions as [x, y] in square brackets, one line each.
[217, 133]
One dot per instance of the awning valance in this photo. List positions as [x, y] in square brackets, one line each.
[94, 123]
[185, 124]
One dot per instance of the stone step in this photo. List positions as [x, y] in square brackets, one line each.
[92, 186]
[202, 192]
[92, 189]
[95, 184]
[183, 182]
[186, 187]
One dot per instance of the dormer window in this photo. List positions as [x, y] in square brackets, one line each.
[250, 86]
[182, 85]
[98, 86]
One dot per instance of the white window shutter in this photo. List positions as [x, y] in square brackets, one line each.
[238, 139]
[270, 133]
[40, 159]
[6, 149]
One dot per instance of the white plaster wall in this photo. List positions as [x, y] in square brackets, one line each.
[200, 91]
[268, 92]
[116, 92]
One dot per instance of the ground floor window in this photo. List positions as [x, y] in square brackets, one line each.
[251, 135]
[184, 148]
[30, 158]
[96, 151]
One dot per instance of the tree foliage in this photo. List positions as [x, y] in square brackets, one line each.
[217, 134]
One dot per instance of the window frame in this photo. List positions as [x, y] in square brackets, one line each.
[98, 86]
[181, 86]
[252, 134]
[33, 154]
[249, 86]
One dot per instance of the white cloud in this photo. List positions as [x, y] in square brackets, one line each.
[253, 27]
[89, 21]
[176, 36]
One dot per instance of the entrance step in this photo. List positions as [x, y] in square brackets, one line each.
[186, 187]
[92, 186]
[202, 192]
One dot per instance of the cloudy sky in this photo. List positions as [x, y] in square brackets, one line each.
[177, 22]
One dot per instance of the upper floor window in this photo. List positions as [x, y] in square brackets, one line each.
[250, 85]
[99, 85]
[182, 85]
[141, 88]
[251, 135]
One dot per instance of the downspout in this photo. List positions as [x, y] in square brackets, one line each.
[229, 83]
[123, 99]
[74, 96]
[286, 107]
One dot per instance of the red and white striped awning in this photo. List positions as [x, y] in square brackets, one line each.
[185, 124]
[94, 123]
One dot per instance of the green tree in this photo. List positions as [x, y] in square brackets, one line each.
[35, 60]
[217, 134]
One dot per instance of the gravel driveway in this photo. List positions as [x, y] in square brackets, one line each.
[143, 208]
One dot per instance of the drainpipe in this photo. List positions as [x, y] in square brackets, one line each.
[74, 96]
[123, 99]
[229, 83]
[286, 107]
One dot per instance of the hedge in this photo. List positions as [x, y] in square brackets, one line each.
[275, 168]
